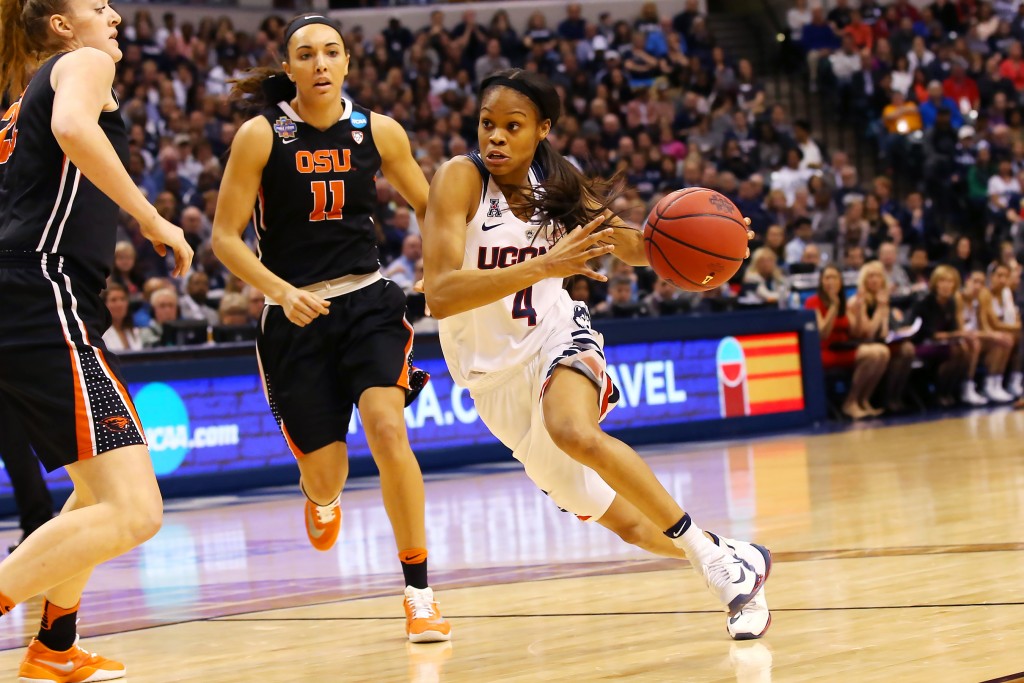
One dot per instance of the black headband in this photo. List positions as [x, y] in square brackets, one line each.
[520, 86]
[306, 20]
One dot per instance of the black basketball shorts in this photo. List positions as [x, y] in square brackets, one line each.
[56, 375]
[314, 375]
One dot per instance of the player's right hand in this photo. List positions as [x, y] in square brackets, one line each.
[163, 235]
[302, 307]
[570, 254]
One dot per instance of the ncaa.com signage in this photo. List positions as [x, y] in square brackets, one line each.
[221, 424]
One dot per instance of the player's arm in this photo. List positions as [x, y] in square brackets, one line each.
[398, 164]
[243, 174]
[81, 84]
[454, 195]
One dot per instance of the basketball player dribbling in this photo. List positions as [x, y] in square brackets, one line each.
[502, 231]
[63, 152]
[333, 335]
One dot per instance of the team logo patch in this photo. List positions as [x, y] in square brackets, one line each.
[116, 423]
[358, 119]
[581, 316]
[357, 135]
[285, 128]
[495, 210]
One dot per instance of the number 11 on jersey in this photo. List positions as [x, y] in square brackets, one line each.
[319, 212]
[522, 306]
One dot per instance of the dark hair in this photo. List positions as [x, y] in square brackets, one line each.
[263, 86]
[842, 289]
[566, 197]
[25, 40]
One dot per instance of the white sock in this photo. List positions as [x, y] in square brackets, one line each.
[1016, 379]
[699, 550]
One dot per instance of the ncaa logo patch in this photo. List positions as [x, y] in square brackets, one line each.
[285, 128]
[358, 120]
[495, 210]
[357, 135]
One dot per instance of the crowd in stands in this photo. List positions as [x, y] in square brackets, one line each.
[652, 97]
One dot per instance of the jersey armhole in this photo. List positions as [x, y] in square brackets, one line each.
[485, 176]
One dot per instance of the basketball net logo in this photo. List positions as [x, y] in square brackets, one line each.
[733, 399]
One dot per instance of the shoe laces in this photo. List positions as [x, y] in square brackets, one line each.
[717, 573]
[325, 514]
[420, 603]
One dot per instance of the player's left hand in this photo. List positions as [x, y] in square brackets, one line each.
[750, 234]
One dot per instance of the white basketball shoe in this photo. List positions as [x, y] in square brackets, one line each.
[753, 619]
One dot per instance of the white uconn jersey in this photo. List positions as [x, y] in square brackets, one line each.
[509, 332]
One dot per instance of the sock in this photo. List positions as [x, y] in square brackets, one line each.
[6, 604]
[691, 540]
[1016, 378]
[59, 626]
[414, 567]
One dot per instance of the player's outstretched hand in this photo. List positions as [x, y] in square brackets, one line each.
[165, 235]
[750, 235]
[571, 253]
[302, 307]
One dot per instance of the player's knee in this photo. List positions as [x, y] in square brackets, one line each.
[143, 521]
[581, 441]
[386, 435]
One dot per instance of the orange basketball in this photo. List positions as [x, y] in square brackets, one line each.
[696, 239]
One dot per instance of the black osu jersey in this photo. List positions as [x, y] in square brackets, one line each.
[46, 204]
[314, 211]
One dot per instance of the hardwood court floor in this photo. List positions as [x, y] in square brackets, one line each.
[898, 557]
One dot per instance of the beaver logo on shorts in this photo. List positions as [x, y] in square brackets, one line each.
[116, 423]
[581, 316]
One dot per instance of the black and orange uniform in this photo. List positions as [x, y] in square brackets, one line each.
[57, 235]
[313, 219]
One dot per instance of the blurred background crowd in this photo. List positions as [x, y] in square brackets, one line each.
[911, 261]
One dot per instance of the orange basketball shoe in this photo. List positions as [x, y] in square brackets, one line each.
[323, 522]
[43, 665]
[423, 620]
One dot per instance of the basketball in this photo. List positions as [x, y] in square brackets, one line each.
[696, 239]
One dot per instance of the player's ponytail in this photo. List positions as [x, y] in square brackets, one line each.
[261, 87]
[566, 197]
[25, 39]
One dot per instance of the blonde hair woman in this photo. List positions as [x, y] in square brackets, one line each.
[941, 339]
[764, 272]
[871, 318]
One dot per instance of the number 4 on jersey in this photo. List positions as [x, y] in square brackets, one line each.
[319, 212]
[522, 306]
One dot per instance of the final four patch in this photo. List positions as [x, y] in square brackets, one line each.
[285, 128]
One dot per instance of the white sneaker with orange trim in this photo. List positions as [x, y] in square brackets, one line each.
[323, 523]
[423, 620]
[76, 665]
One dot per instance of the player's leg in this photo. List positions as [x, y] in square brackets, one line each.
[375, 364]
[312, 410]
[571, 410]
[322, 476]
